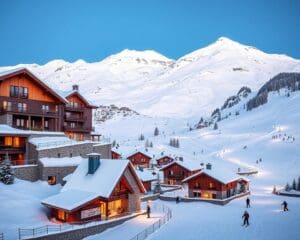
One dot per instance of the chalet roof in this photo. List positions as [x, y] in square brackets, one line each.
[145, 175]
[16, 71]
[69, 200]
[223, 175]
[140, 151]
[67, 94]
[91, 186]
[190, 165]
[61, 162]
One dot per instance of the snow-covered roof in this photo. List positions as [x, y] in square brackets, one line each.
[101, 182]
[188, 164]
[223, 175]
[145, 175]
[5, 129]
[70, 199]
[61, 162]
[65, 94]
[54, 142]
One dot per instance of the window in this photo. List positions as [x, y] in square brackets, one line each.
[75, 105]
[22, 107]
[7, 105]
[61, 215]
[8, 141]
[51, 180]
[46, 124]
[211, 185]
[23, 92]
[16, 142]
[56, 108]
[20, 122]
[45, 108]
[170, 172]
[14, 91]
[73, 125]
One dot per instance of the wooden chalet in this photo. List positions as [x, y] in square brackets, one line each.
[215, 184]
[28, 103]
[176, 171]
[140, 158]
[164, 160]
[78, 116]
[147, 178]
[98, 189]
[115, 155]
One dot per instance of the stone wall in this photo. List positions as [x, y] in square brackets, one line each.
[78, 234]
[27, 172]
[58, 172]
[71, 150]
[6, 119]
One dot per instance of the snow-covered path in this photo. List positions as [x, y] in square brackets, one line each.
[129, 229]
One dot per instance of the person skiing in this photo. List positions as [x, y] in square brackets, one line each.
[148, 211]
[246, 219]
[248, 202]
[285, 208]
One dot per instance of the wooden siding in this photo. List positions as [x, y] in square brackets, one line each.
[140, 159]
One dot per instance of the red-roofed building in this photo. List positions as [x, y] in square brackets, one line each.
[140, 159]
[115, 155]
[164, 160]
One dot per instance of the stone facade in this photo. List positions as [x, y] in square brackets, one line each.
[81, 149]
[27, 172]
[58, 172]
[6, 119]
[134, 200]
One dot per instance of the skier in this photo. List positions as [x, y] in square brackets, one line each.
[177, 199]
[247, 203]
[285, 208]
[246, 219]
[148, 211]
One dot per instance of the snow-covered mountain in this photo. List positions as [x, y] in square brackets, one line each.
[152, 84]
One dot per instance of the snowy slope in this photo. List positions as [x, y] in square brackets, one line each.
[152, 84]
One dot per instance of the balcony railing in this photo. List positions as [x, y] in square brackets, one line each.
[79, 128]
[75, 118]
[35, 109]
[74, 108]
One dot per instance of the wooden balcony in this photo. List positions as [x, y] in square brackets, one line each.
[78, 129]
[74, 109]
[75, 118]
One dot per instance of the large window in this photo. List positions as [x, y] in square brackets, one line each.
[8, 141]
[22, 107]
[23, 92]
[7, 105]
[14, 91]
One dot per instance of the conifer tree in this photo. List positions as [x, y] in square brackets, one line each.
[287, 187]
[6, 172]
[294, 185]
[156, 131]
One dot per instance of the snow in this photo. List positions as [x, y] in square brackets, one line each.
[191, 165]
[5, 129]
[54, 142]
[61, 162]
[102, 182]
[21, 206]
[189, 87]
[146, 175]
[70, 199]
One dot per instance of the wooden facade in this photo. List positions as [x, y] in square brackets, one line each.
[164, 160]
[78, 116]
[27, 103]
[140, 159]
[115, 155]
[174, 173]
[206, 186]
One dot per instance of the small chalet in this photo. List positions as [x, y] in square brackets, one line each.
[209, 183]
[98, 189]
[176, 171]
[147, 178]
[140, 159]
[164, 160]
[115, 155]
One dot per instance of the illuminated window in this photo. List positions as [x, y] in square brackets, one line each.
[16, 141]
[51, 180]
[211, 185]
[61, 215]
[8, 141]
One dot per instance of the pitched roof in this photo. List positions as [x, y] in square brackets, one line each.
[91, 186]
[145, 175]
[222, 175]
[190, 165]
[76, 92]
[14, 72]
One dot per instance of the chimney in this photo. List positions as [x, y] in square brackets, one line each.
[75, 87]
[94, 162]
[208, 166]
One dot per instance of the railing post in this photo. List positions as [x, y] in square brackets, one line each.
[19, 233]
[33, 232]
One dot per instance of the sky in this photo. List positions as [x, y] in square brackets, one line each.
[38, 31]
